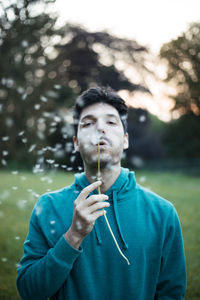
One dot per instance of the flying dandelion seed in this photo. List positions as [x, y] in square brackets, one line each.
[142, 179]
[32, 147]
[69, 168]
[15, 172]
[142, 118]
[57, 119]
[24, 97]
[57, 86]
[3, 162]
[14, 188]
[52, 222]
[4, 153]
[21, 133]
[24, 140]
[38, 210]
[24, 44]
[50, 161]
[43, 99]
[21, 204]
[37, 106]
[5, 138]
[4, 259]
[20, 90]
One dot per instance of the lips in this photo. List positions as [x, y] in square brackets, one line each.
[103, 142]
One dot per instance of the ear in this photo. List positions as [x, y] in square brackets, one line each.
[76, 145]
[126, 142]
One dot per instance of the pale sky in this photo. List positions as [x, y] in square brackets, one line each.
[150, 22]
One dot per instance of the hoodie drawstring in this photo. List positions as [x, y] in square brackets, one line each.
[116, 214]
[97, 233]
[117, 219]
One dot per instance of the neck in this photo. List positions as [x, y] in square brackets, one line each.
[109, 174]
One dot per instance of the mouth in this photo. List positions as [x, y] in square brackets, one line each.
[102, 142]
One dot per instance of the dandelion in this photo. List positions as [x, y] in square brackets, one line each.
[99, 191]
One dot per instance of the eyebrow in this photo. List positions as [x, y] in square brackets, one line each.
[93, 117]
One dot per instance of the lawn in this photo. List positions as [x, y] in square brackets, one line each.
[20, 191]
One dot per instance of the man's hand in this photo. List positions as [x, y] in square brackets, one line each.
[86, 211]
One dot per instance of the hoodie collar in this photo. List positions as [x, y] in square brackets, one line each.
[123, 183]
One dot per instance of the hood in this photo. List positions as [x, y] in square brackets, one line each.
[118, 191]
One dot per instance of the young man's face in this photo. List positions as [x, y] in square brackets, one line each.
[100, 122]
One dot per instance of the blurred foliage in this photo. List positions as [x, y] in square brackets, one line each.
[183, 61]
[182, 136]
[144, 138]
[42, 69]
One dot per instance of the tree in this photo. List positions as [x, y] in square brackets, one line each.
[144, 145]
[183, 60]
[43, 68]
[90, 58]
[182, 55]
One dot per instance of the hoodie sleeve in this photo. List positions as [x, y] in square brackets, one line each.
[172, 277]
[43, 270]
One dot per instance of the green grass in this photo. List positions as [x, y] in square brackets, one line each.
[18, 194]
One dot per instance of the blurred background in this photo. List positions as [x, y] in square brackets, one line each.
[46, 61]
[51, 51]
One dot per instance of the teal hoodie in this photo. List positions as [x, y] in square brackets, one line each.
[147, 230]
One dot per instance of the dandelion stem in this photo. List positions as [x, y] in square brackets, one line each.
[104, 213]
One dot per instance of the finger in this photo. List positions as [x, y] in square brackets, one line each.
[88, 189]
[97, 214]
[97, 206]
[95, 198]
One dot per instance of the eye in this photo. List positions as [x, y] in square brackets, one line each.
[111, 122]
[87, 124]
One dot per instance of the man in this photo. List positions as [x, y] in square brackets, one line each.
[69, 252]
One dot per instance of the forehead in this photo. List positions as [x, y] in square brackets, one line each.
[98, 110]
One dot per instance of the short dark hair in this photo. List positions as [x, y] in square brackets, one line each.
[100, 95]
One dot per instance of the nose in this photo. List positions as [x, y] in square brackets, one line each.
[100, 126]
